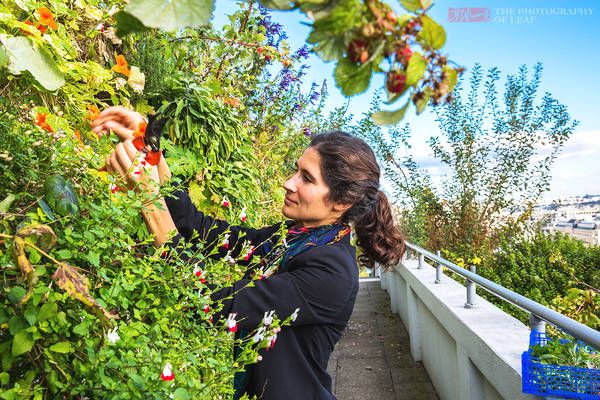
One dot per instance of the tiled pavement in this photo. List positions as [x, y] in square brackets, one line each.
[372, 361]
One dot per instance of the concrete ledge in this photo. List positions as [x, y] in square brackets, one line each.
[468, 353]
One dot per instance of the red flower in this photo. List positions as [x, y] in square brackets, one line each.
[206, 309]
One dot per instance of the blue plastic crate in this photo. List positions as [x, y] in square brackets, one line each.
[557, 380]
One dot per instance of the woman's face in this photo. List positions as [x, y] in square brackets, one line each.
[306, 198]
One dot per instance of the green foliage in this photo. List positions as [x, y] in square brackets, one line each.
[565, 352]
[554, 270]
[61, 300]
[336, 28]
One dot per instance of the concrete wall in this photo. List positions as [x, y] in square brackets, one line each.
[470, 354]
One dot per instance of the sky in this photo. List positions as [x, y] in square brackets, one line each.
[564, 35]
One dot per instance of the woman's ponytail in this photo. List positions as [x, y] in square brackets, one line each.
[378, 236]
[350, 170]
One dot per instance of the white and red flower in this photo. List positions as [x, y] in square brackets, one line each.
[243, 215]
[225, 201]
[226, 241]
[268, 318]
[200, 274]
[228, 258]
[167, 373]
[295, 314]
[249, 253]
[260, 335]
[231, 323]
[206, 309]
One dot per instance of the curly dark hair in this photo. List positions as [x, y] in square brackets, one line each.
[351, 171]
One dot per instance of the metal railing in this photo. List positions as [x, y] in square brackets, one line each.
[539, 314]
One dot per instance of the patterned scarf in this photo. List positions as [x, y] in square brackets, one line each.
[277, 259]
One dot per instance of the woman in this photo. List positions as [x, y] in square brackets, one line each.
[336, 183]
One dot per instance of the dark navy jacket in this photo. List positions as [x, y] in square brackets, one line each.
[322, 282]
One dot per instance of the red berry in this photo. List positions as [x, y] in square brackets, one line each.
[364, 56]
[267, 58]
[395, 81]
[391, 17]
[260, 50]
[403, 55]
[356, 49]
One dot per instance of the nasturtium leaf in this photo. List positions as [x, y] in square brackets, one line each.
[415, 69]
[433, 33]
[61, 347]
[48, 310]
[172, 15]
[390, 117]
[24, 56]
[127, 23]
[411, 5]
[27, 5]
[3, 57]
[22, 343]
[81, 329]
[352, 79]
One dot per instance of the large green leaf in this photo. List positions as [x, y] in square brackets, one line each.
[390, 117]
[127, 23]
[411, 5]
[22, 343]
[3, 57]
[278, 4]
[450, 78]
[171, 15]
[432, 32]
[352, 79]
[415, 69]
[24, 56]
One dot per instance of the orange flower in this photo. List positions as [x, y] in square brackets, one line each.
[47, 18]
[121, 66]
[139, 135]
[77, 135]
[92, 113]
[40, 120]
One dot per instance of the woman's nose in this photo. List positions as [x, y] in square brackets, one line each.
[290, 184]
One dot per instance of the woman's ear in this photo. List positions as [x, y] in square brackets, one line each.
[341, 207]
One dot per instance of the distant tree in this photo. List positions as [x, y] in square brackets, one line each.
[498, 150]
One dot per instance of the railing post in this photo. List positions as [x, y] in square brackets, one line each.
[471, 290]
[438, 269]
[421, 260]
[537, 324]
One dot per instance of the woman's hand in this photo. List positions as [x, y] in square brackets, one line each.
[124, 123]
[120, 120]
[126, 162]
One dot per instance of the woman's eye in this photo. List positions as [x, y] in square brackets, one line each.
[306, 178]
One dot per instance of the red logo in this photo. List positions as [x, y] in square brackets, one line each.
[469, 14]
